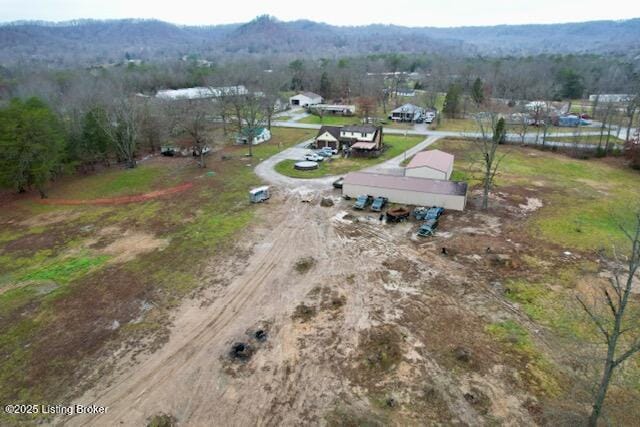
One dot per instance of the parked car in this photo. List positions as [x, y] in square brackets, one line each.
[434, 212]
[329, 150]
[362, 201]
[379, 203]
[324, 154]
[420, 213]
[338, 182]
[428, 228]
[313, 157]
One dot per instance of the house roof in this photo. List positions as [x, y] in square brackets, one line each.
[407, 183]
[201, 92]
[406, 108]
[335, 106]
[334, 131]
[364, 145]
[258, 131]
[434, 159]
[308, 95]
[360, 128]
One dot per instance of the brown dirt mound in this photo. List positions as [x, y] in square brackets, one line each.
[120, 200]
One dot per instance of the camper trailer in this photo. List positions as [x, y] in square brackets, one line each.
[259, 194]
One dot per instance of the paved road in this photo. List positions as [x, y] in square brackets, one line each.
[530, 138]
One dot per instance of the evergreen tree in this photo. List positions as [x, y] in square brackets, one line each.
[477, 91]
[325, 85]
[32, 143]
[452, 101]
[571, 85]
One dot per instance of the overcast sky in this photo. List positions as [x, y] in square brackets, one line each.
[437, 13]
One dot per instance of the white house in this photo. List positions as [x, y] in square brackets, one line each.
[262, 135]
[305, 99]
[407, 113]
[407, 190]
[432, 164]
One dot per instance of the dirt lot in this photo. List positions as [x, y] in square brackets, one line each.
[361, 323]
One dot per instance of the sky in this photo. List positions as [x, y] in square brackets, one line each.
[431, 13]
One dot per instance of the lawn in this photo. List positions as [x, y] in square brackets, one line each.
[458, 125]
[61, 289]
[584, 200]
[338, 165]
[330, 120]
[587, 139]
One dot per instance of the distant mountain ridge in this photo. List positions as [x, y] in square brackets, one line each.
[91, 41]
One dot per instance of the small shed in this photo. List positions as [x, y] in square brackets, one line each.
[259, 194]
[432, 164]
[261, 135]
[407, 190]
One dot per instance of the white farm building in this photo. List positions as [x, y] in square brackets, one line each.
[407, 190]
[432, 164]
[305, 99]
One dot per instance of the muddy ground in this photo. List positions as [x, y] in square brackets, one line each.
[358, 323]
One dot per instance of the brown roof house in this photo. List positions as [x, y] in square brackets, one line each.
[433, 164]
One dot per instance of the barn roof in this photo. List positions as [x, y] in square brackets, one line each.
[406, 183]
[434, 159]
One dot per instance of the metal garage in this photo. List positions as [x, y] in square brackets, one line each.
[433, 164]
[407, 190]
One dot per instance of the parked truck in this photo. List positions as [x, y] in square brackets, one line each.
[362, 201]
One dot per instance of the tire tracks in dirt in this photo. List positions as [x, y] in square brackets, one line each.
[161, 370]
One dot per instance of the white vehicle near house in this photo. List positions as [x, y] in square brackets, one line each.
[313, 157]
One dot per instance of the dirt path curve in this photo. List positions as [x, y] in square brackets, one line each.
[120, 200]
[266, 171]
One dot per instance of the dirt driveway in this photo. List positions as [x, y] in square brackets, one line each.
[347, 305]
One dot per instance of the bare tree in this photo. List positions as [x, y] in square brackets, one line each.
[614, 322]
[366, 108]
[632, 107]
[123, 117]
[190, 116]
[522, 125]
[250, 116]
[492, 133]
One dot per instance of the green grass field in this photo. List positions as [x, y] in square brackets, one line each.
[330, 120]
[56, 280]
[338, 165]
[587, 139]
[585, 200]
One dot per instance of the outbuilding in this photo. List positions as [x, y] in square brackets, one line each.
[305, 99]
[432, 164]
[260, 135]
[407, 190]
